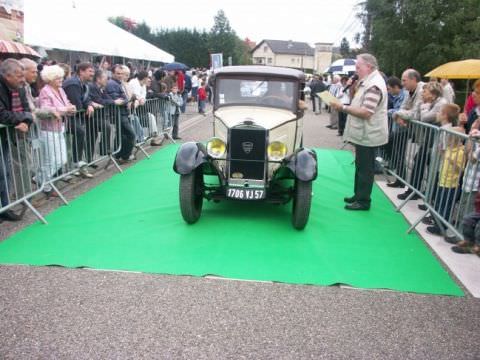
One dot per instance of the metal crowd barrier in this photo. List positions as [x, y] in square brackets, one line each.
[408, 154]
[77, 142]
[20, 164]
[440, 166]
[150, 121]
[56, 149]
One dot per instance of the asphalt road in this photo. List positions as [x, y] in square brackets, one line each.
[56, 313]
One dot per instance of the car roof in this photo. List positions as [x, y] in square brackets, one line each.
[261, 70]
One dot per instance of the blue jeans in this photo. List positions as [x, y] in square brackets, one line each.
[201, 106]
[184, 98]
[471, 227]
[137, 127]
[444, 201]
[4, 171]
[194, 92]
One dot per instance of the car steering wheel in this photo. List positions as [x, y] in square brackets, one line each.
[273, 100]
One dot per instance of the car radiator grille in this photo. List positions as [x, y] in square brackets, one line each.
[247, 147]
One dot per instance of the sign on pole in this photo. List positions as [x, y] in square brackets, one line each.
[216, 60]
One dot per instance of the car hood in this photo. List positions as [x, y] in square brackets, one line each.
[262, 116]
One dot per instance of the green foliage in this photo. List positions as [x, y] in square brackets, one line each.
[193, 47]
[345, 48]
[420, 33]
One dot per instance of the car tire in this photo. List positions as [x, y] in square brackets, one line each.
[302, 200]
[191, 196]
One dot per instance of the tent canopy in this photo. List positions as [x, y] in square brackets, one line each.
[70, 29]
[13, 47]
[464, 69]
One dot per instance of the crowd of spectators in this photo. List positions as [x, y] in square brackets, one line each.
[457, 179]
[54, 94]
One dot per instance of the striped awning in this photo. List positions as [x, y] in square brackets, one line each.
[12, 47]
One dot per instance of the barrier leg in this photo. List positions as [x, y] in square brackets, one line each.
[167, 136]
[60, 195]
[37, 214]
[140, 148]
[112, 159]
[415, 224]
[399, 207]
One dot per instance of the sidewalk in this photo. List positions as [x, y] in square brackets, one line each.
[465, 267]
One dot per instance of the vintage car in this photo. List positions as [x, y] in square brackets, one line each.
[256, 152]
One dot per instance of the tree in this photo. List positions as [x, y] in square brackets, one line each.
[124, 23]
[420, 34]
[192, 47]
[222, 39]
[345, 48]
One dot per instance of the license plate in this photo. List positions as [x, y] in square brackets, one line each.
[245, 194]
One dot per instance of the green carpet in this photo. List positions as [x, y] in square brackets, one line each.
[133, 222]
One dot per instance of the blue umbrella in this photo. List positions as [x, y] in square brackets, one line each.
[175, 66]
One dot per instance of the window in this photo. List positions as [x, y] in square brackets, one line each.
[273, 93]
[293, 60]
[269, 60]
[265, 49]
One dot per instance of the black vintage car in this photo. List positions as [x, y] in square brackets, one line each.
[256, 152]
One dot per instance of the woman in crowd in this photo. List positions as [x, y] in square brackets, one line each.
[132, 105]
[472, 119]
[432, 103]
[102, 116]
[138, 86]
[345, 98]
[53, 100]
[470, 103]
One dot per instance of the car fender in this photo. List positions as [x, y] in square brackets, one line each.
[189, 157]
[303, 164]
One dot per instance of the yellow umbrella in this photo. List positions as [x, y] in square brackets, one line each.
[465, 69]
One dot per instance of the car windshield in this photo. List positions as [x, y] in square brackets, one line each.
[274, 93]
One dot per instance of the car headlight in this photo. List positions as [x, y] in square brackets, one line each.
[276, 151]
[216, 147]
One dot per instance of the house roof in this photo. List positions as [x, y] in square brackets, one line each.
[287, 47]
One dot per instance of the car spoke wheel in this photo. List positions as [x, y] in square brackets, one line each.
[191, 196]
[302, 200]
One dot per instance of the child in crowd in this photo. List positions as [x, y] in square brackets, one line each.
[470, 183]
[471, 178]
[202, 97]
[453, 161]
[177, 102]
[447, 118]
[471, 231]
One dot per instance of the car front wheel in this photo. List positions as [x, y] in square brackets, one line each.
[302, 199]
[191, 196]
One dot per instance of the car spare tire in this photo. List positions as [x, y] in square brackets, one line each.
[302, 200]
[191, 195]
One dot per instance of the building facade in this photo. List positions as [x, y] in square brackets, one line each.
[293, 54]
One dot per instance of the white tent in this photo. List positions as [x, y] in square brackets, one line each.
[66, 28]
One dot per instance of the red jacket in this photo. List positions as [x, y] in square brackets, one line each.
[202, 94]
[180, 81]
[469, 105]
